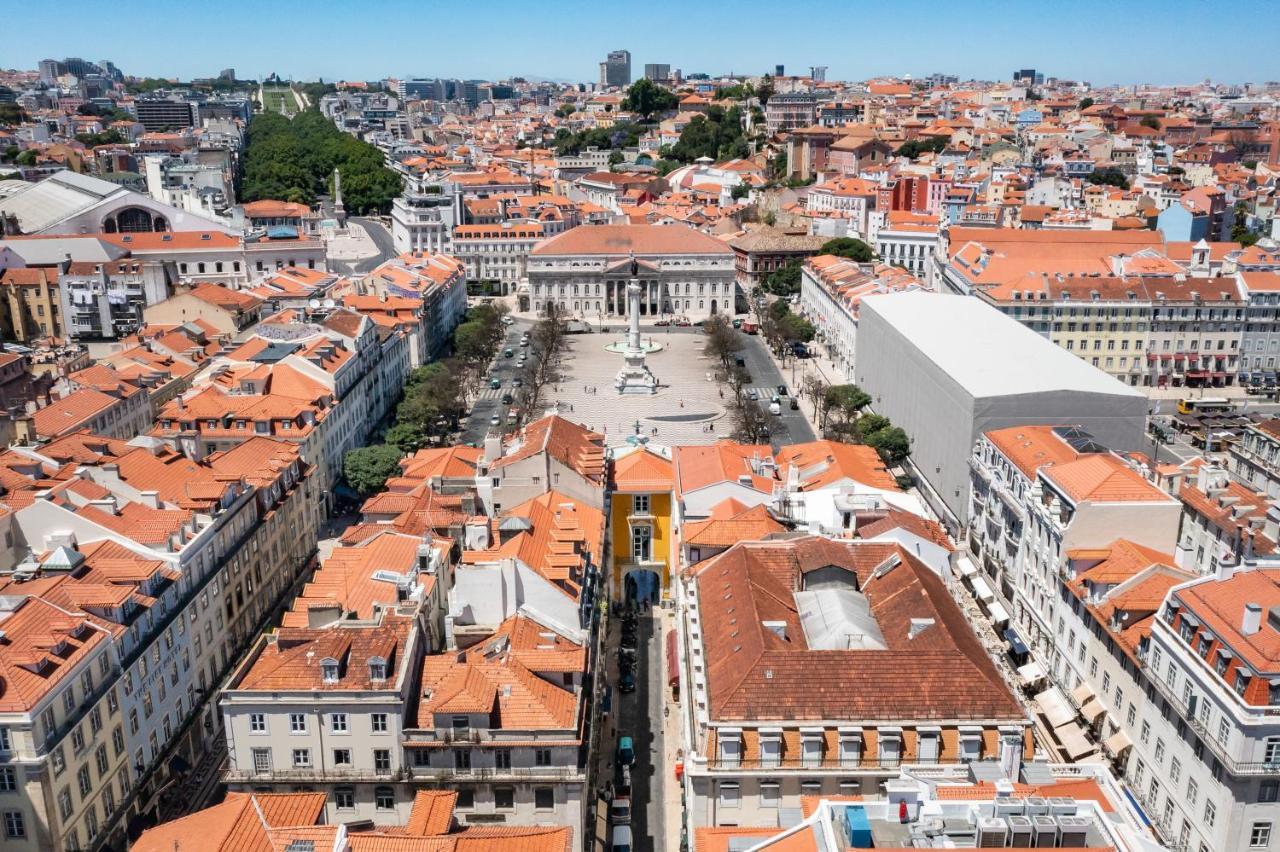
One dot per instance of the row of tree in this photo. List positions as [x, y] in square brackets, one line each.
[842, 417]
[293, 160]
[434, 401]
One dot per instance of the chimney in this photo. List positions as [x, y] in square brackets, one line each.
[492, 448]
[150, 499]
[1252, 621]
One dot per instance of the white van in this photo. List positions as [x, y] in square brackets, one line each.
[621, 839]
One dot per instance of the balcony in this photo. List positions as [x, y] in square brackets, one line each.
[493, 773]
[313, 774]
[826, 764]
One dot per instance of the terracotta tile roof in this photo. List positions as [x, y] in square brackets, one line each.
[753, 673]
[642, 471]
[514, 697]
[569, 443]
[432, 813]
[621, 240]
[894, 519]
[346, 578]
[822, 464]
[72, 412]
[1219, 606]
[1231, 510]
[1102, 478]
[751, 524]
[241, 823]
[1031, 447]
[724, 461]
[538, 648]
[292, 662]
[43, 645]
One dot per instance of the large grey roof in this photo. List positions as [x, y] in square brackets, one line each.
[49, 251]
[986, 352]
[54, 199]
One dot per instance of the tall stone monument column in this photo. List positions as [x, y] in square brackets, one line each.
[635, 376]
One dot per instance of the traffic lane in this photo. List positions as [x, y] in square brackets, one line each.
[636, 719]
[792, 427]
[478, 420]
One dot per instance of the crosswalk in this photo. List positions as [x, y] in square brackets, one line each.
[765, 392]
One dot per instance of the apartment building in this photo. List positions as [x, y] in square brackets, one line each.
[907, 240]
[765, 621]
[437, 280]
[177, 563]
[1255, 458]
[790, 111]
[1223, 521]
[423, 221]
[831, 290]
[1260, 345]
[107, 300]
[1038, 492]
[498, 253]
[1207, 765]
[30, 307]
[116, 409]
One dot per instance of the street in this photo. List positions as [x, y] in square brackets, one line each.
[639, 715]
[489, 401]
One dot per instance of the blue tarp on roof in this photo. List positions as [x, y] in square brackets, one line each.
[282, 232]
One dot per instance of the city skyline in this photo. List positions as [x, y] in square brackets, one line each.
[973, 40]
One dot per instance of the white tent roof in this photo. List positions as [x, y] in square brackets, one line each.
[986, 352]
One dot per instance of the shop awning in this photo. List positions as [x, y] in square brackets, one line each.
[1117, 743]
[965, 568]
[1082, 693]
[997, 614]
[1015, 641]
[1053, 704]
[673, 660]
[1031, 673]
[1073, 740]
[981, 590]
[1091, 710]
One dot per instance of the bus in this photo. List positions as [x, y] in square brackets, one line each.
[1205, 405]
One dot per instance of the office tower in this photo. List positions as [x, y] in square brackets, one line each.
[657, 72]
[616, 69]
[779, 71]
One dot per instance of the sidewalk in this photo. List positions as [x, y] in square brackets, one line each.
[671, 792]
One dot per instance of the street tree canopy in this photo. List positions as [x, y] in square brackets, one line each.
[646, 97]
[849, 247]
[368, 468]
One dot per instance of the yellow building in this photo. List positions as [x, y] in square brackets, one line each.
[641, 505]
[29, 305]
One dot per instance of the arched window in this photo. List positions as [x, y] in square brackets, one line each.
[200, 268]
[134, 220]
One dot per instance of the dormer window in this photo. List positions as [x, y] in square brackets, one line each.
[329, 670]
[377, 669]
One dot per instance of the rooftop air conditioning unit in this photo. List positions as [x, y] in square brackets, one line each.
[1062, 806]
[993, 833]
[1020, 832]
[1045, 831]
[1010, 807]
[1073, 832]
[1037, 805]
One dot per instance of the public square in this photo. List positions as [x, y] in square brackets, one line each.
[688, 408]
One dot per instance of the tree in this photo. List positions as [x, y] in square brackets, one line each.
[26, 158]
[1085, 103]
[1150, 121]
[740, 191]
[891, 443]
[107, 137]
[849, 247]
[1108, 177]
[615, 157]
[566, 110]
[646, 98]
[815, 389]
[913, 148]
[784, 281]
[869, 424]
[717, 135]
[11, 113]
[407, 437]
[765, 91]
[845, 401]
[367, 469]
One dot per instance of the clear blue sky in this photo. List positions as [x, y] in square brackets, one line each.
[1116, 41]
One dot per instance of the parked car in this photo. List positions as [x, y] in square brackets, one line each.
[508, 352]
[799, 350]
[782, 390]
[517, 382]
[775, 408]
[683, 323]
[662, 323]
[625, 754]
[737, 323]
[513, 415]
[627, 682]
[507, 399]
[795, 404]
[508, 321]
[495, 420]
[495, 382]
[753, 395]
[620, 810]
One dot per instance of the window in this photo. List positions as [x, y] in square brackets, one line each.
[84, 781]
[640, 504]
[342, 757]
[5, 743]
[1175, 770]
[504, 798]
[64, 804]
[382, 760]
[378, 722]
[1145, 734]
[257, 723]
[329, 670]
[302, 758]
[117, 740]
[1269, 791]
[641, 540]
[338, 722]
[544, 798]
[261, 761]
[14, 824]
[102, 760]
[1193, 791]
[730, 794]
[384, 798]
[770, 793]
[297, 723]
[502, 758]
[462, 760]
[1260, 835]
[8, 782]
[344, 798]
[1210, 813]
[377, 669]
